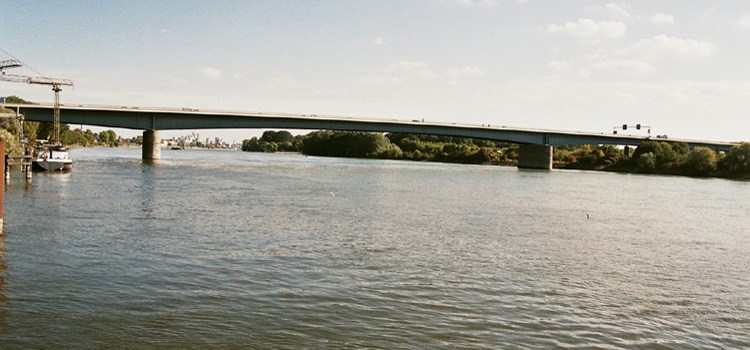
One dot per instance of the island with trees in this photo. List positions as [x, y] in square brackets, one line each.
[650, 157]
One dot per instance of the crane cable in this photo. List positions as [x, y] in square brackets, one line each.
[24, 63]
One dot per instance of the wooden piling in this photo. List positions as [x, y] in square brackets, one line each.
[6, 164]
[28, 171]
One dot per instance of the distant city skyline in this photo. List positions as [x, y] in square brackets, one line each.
[578, 65]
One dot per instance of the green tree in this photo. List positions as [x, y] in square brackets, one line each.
[277, 136]
[346, 144]
[646, 163]
[16, 99]
[12, 144]
[44, 131]
[663, 154]
[681, 148]
[107, 138]
[737, 162]
[251, 145]
[701, 161]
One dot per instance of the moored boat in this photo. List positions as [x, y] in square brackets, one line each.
[53, 158]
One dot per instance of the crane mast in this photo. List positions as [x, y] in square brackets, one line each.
[55, 83]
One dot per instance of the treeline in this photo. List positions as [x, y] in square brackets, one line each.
[389, 146]
[662, 158]
[649, 157]
[652, 157]
[44, 131]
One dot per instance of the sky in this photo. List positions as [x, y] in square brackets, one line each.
[679, 67]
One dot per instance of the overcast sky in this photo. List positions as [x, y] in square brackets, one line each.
[681, 67]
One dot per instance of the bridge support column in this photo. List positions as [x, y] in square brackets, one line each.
[151, 149]
[535, 157]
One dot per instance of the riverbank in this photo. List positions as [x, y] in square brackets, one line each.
[650, 157]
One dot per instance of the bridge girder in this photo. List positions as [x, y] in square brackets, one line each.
[164, 119]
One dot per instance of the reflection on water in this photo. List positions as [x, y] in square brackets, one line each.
[3, 268]
[238, 250]
[3, 297]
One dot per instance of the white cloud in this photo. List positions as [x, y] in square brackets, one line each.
[465, 72]
[486, 3]
[282, 81]
[662, 46]
[625, 66]
[208, 72]
[409, 65]
[589, 28]
[617, 11]
[744, 21]
[662, 18]
[380, 80]
[672, 96]
[176, 80]
[589, 42]
[560, 65]
[428, 74]
[379, 41]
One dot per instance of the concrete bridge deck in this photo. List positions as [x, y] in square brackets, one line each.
[151, 120]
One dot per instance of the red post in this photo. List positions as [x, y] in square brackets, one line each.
[2, 186]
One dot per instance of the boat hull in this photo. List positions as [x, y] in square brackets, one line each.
[52, 165]
[54, 158]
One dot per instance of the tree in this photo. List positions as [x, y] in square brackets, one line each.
[277, 136]
[662, 152]
[666, 156]
[107, 138]
[16, 99]
[346, 144]
[701, 161]
[737, 162]
[44, 131]
[681, 148]
[12, 145]
[646, 162]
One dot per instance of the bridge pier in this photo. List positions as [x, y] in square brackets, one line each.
[535, 157]
[151, 149]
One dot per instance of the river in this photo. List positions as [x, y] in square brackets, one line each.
[228, 249]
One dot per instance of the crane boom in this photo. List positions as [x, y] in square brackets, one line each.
[35, 80]
[10, 64]
[56, 83]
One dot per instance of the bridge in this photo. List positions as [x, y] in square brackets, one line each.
[535, 145]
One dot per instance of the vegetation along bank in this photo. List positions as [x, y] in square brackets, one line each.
[650, 157]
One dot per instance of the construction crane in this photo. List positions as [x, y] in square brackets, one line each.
[55, 83]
